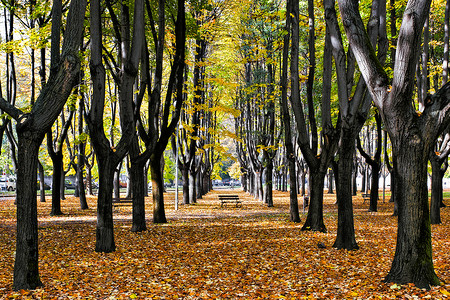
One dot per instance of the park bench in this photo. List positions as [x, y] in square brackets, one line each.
[122, 201]
[224, 199]
[365, 197]
[305, 202]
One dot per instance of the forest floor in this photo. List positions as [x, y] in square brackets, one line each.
[209, 252]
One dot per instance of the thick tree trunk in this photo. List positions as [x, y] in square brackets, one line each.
[26, 272]
[345, 238]
[314, 219]
[105, 230]
[413, 260]
[159, 214]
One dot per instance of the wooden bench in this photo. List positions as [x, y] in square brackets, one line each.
[224, 199]
[365, 197]
[305, 202]
[122, 201]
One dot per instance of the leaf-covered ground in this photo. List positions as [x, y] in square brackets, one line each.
[208, 252]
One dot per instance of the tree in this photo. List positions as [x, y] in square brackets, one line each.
[108, 158]
[318, 163]
[55, 150]
[439, 165]
[161, 121]
[293, 206]
[31, 129]
[412, 134]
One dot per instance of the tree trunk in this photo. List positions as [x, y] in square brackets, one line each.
[373, 206]
[268, 195]
[354, 175]
[259, 186]
[80, 171]
[105, 229]
[192, 187]
[116, 183]
[137, 177]
[62, 186]
[303, 183]
[345, 238]
[413, 255]
[199, 185]
[26, 271]
[244, 180]
[363, 180]
[436, 191]
[57, 160]
[159, 214]
[314, 220]
[185, 176]
[41, 181]
[293, 200]
[330, 182]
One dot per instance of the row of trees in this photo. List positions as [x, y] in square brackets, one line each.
[129, 64]
[365, 72]
[157, 64]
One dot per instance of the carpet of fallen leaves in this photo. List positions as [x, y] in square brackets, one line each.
[209, 252]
